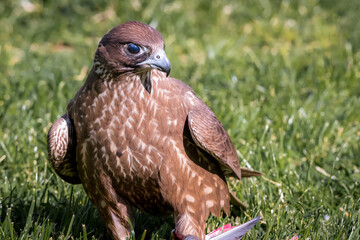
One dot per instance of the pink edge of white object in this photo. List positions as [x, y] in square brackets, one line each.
[231, 232]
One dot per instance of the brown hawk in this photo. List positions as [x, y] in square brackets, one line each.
[133, 136]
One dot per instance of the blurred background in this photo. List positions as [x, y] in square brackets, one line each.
[282, 76]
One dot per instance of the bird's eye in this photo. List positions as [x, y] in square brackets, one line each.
[132, 48]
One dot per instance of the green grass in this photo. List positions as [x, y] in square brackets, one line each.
[282, 76]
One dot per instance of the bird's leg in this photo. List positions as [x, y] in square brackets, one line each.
[116, 216]
[115, 211]
[189, 226]
[179, 236]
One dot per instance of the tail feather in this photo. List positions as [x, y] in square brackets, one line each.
[236, 201]
[246, 173]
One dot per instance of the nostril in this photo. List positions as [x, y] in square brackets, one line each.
[158, 57]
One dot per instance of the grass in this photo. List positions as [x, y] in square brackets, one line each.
[282, 76]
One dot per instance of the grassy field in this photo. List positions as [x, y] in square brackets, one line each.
[282, 76]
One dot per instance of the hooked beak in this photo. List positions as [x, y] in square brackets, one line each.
[159, 61]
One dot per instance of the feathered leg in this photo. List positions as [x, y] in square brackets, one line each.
[116, 215]
[115, 211]
[188, 226]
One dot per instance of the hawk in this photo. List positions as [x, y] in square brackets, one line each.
[134, 136]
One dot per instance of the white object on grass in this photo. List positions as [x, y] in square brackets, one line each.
[236, 232]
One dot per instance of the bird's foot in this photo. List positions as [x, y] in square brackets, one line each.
[179, 236]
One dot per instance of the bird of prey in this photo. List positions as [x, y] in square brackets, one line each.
[135, 137]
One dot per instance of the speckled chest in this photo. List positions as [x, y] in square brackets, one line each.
[128, 132]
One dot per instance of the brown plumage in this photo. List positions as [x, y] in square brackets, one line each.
[135, 137]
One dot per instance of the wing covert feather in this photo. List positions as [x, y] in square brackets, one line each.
[61, 146]
[210, 135]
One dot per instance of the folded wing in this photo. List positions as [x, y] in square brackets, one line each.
[61, 146]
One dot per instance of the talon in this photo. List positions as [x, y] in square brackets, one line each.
[178, 236]
[191, 237]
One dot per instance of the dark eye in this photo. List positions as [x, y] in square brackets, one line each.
[132, 48]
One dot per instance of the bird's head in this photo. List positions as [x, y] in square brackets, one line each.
[132, 47]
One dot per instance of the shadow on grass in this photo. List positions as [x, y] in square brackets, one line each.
[74, 216]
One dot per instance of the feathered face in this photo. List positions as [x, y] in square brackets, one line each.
[132, 47]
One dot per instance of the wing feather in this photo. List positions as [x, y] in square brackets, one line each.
[61, 148]
[210, 135]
